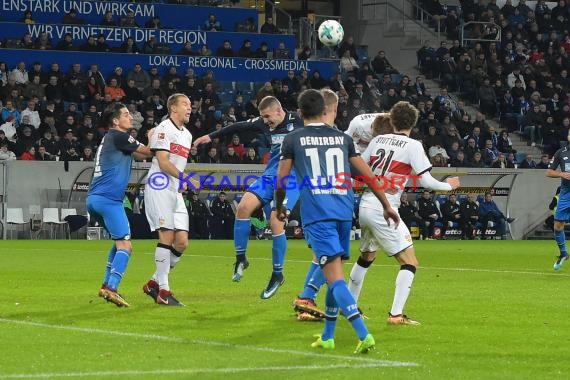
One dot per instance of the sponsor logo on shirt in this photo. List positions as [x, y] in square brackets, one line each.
[179, 150]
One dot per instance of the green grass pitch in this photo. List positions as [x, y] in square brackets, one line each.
[489, 310]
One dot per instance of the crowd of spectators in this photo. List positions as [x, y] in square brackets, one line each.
[517, 73]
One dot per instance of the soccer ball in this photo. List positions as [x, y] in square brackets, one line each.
[331, 33]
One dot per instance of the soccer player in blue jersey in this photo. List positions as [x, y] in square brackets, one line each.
[561, 159]
[322, 158]
[274, 123]
[107, 190]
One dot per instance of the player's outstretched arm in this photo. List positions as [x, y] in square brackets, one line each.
[360, 166]
[557, 174]
[202, 140]
[282, 172]
[252, 124]
[142, 152]
[426, 180]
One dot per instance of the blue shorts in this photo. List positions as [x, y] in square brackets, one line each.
[329, 239]
[264, 190]
[563, 209]
[111, 215]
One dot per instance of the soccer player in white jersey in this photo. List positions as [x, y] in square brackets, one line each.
[391, 156]
[360, 129]
[164, 206]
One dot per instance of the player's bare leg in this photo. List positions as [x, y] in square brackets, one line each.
[242, 226]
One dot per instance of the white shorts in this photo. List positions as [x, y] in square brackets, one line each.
[165, 209]
[376, 233]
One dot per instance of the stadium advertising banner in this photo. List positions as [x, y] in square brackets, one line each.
[225, 69]
[175, 38]
[93, 12]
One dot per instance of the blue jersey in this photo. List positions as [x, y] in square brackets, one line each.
[320, 157]
[275, 136]
[562, 158]
[113, 165]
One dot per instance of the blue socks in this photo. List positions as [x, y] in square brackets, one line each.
[242, 228]
[310, 273]
[110, 259]
[312, 288]
[278, 251]
[118, 268]
[560, 238]
[347, 304]
[331, 313]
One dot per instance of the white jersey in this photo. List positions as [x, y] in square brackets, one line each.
[168, 137]
[360, 129]
[393, 156]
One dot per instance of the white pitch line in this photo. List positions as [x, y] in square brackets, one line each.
[186, 371]
[475, 270]
[376, 362]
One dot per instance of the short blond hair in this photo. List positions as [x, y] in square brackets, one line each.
[382, 125]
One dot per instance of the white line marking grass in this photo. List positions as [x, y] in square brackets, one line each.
[186, 371]
[363, 362]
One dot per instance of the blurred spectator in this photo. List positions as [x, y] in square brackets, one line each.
[211, 157]
[32, 114]
[187, 50]
[429, 212]
[205, 51]
[70, 18]
[129, 20]
[502, 162]
[153, 23]
[409, 214]
[43, 155]
[281, 52]
[9, 129]
[66, 44]
[28, 18]
[251, 157]
[504, 143]
[10, 111]
[211, 24]
[245, 50]
[199, 216]
[129, 46]
[381, 65]
[150, 46]
[222, 218]
[347, 45]
[262, 51]
[20, 74]
[140, 77]
[29, 154]
[225, 50]
[527, 163]
[269, 27]
[231, 157]
[451, 212]
[544, 162]
[102, 45]
[87, 154]
[27, 42]
[477, 160]
[43, 42]
[109, 19]
[469, 211]
[348, 63]
[116, 92]
[489, 212]
[90, 45]
[5, 153]
[305, 54]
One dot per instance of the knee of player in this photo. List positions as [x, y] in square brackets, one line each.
[366, 259]
[180, 246]
[124, 245]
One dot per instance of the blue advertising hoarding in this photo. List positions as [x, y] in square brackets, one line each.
[93, 12]
[225, 69]
[175, 38]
